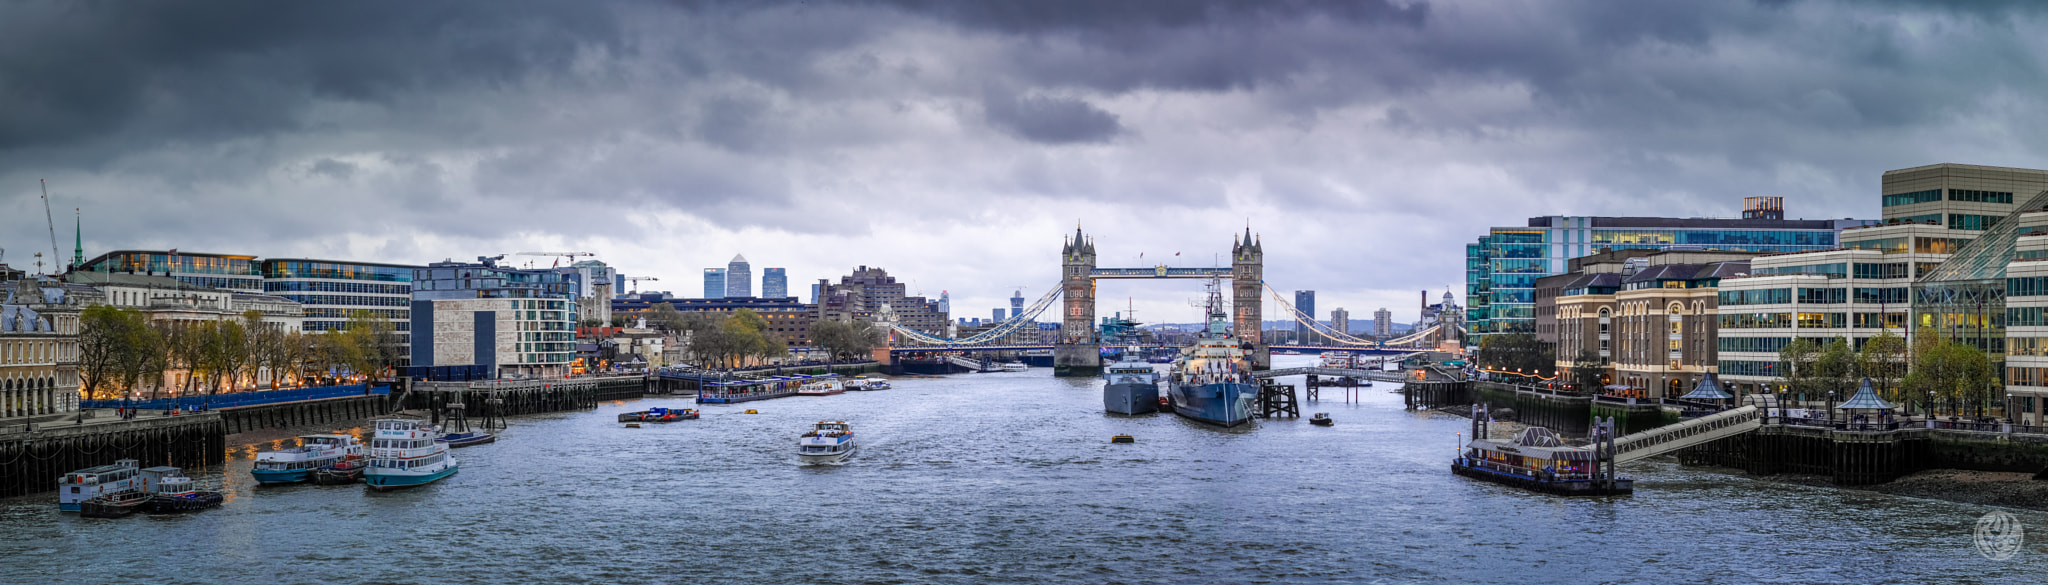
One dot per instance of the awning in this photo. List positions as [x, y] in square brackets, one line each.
[1709, 389]
[1865, 399]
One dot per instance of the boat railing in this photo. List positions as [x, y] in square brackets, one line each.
[1528, 472]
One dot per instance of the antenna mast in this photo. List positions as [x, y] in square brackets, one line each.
[51, 219]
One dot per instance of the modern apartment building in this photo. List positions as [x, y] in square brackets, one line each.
[1305, 301]
[1383, 324]
[1501, 268]
[496, 320]
[868, 293]
[1340, 320]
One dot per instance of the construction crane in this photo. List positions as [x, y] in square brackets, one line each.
[54, 255]
[558, 255]
[636, 282]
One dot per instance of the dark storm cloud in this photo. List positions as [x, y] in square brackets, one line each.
[333, 126]
[1051, 120]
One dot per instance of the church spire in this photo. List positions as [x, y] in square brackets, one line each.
[78, 239]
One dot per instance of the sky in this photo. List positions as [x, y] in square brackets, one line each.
[957, 143]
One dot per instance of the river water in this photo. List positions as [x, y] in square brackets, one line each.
[1008, 478]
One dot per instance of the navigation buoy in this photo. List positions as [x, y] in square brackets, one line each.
[752, 411]
[632, 425]
[1123, 439]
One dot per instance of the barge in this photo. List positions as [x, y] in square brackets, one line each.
[1536, 460]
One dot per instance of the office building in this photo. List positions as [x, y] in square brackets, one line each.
[1017, 304]
[618, 283]
[1501, 268]
[1305, 301]
[484, 320]
[232, 272]
[998, 316]
[775, 283]
[714, 283]
[1340, 320]
[592, 274]
[1646, 319]
[1383, 324]
[331, 290]
[739, 278]
[945, 300]
[789, 320]
[326, 291]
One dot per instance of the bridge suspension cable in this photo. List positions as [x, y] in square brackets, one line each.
[1310, 321]
[1002, 329]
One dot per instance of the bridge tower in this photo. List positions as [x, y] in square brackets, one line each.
[1247, 278]
[1079, 352]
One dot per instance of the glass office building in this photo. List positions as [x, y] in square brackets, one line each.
[774, 283]
[332, 290]
[1501, 268]
[714, 283]
[222, 271]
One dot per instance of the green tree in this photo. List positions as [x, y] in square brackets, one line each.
[1950, 373]
[102, 340]
[1517, 352]
[1795, 366]
[1835, 369]
[1883, 360]
[367, 344]
[1587, 371]
[845, 339]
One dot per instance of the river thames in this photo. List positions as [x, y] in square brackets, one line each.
[1008, 478]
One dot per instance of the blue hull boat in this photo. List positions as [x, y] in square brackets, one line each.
[280, 476]
[392, 482]
[1226, 404]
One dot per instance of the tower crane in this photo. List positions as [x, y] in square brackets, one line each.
[558, 255]
[636, 282]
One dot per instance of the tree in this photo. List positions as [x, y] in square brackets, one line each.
[1834, 369]
[141, 358]
[102, 339]
[366, 344]
[1587, 370]
[1882, 359]
[1795, 366]
[750, 337]
[1951, 372]
[845, 339]
[1516, 352]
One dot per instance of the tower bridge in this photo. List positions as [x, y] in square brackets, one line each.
[1078, 351]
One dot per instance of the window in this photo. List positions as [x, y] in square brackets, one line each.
[1824, 296]
[1979, 196]
[1938, 245]
[1764, 369]
[1887, 320]
[1765, 296]
[1928, 196]
[1757, 344]
[1881, 295]
[2031, 286]
[1755, 320]
[1964, 221]
[1887, 245]
[1822, 320]
[1886, 270]
[2024, 317]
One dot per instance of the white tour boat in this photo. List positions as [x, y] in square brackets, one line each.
[404, 453]
[297, 463]
[829, 441]
[85, 484]
[1015, 367]
[826, 387]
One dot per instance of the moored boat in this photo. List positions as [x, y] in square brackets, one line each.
[295, 464]
[170, 491]
[1536, 460]
[113, 504]
[737, 391]
[466, 439]
[342, 472]
[76, 487]
[1321, 419]
[1212, 381]
[1130, 386]
[856, 384]
[404, 454]
[825, 387]
[1015, 367]
[828, 441]
[659, 415]
[877, 384]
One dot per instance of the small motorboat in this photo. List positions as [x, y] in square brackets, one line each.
[1123, 439]
[659, 415]
[344, 472]
[171, 492]
[467, 439]
[113, 504]
[1015, 367]
[1321, 419]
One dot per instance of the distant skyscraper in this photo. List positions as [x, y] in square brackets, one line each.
[714, 283]
[814, 293]
[1383, 323]
[945, 303]
[998, 314]
[774, 283]
[1017, 304]
[618, 283]
[739, 278]
[1340, 320]
[1305, 301]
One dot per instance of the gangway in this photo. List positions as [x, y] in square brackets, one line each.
[978, 366]
[1692, 433]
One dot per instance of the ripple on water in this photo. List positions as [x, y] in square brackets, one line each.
[1004, 479]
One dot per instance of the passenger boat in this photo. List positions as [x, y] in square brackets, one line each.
[1321, 419]
[737, 391]
[856, 384]
[343, 472]
[829, 441]
[170, 491]
[404, 454]
[1015, 367]
[1130, 386]
[113, 504]
[1212, 381]
[659, 415]
[78, 486]
[825, 387]
[877, 384]
[295, 464]
[1536, 460]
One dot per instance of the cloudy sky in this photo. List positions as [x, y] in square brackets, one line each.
[956, 143]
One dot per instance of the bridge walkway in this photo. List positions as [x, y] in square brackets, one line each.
[1692, 433]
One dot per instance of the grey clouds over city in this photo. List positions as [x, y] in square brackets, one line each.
[955, 143]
